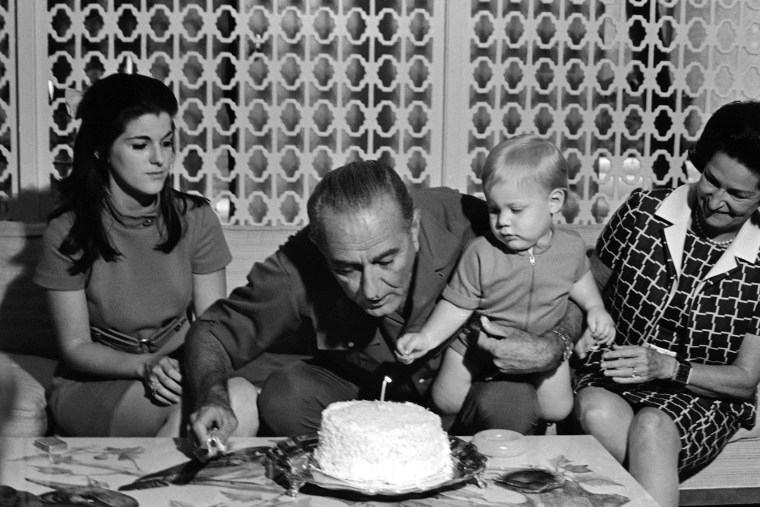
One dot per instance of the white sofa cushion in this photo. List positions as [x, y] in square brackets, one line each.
[23, 380]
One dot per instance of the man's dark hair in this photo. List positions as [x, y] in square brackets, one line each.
[355, 187]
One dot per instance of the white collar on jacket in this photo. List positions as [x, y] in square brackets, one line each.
[676, 209]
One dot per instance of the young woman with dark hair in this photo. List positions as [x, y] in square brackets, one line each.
[127, 261]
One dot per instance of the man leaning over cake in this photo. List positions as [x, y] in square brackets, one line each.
[318, 320]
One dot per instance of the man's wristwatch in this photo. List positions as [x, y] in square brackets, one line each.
[559, 331]
[683, 372]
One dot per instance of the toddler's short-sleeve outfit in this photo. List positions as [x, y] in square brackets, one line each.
[519, 290]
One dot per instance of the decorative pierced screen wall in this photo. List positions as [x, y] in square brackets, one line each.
[9, 184]
[274, 93]
[623, 87]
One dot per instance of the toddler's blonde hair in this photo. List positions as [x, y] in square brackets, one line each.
[526, 157]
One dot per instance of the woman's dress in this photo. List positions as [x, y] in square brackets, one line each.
[661, 268]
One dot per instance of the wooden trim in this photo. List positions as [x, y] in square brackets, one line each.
[743, 496]
[732, 479]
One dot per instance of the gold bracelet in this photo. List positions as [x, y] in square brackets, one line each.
[560, 331]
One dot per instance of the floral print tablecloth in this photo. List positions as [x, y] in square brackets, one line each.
[125, 472]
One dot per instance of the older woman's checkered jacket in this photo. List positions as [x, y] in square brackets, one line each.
[643, 245]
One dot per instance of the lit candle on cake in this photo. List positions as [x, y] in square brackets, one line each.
[386, 380]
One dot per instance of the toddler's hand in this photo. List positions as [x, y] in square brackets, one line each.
[601, 326]
[584, 344]
[412, 346]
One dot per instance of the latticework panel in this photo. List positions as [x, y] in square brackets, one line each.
[275, 93]
[9, 177]
[272, 94]
[623, 87]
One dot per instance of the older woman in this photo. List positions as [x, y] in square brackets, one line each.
[682, 278]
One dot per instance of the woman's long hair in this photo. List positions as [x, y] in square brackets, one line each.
[105, 110]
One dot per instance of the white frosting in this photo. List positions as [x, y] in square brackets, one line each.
[399, 444]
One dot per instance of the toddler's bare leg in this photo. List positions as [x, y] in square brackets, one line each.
[555, 393]
[452, 383]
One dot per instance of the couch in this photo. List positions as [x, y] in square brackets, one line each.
[28, 355]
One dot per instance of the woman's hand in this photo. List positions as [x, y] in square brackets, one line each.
[163, 380]
[634, 364]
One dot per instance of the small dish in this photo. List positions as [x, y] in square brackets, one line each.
[531, 480]
[499, 443]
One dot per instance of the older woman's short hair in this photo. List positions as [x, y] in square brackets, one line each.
[734, 129]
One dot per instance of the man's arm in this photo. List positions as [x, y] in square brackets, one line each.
[236, 330]
[208, 367]
[515, 351]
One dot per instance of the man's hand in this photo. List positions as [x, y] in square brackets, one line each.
[212, 420]
[515, 351]
[208, 368]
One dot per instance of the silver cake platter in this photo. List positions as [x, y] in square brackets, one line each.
[293, 459]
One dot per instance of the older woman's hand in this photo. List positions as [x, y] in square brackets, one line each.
[632, 364]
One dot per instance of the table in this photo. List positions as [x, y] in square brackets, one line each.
[109, 463]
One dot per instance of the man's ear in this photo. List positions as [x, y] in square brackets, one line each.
[556, 200]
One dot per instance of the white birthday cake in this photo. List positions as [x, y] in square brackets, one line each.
[380, 442]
